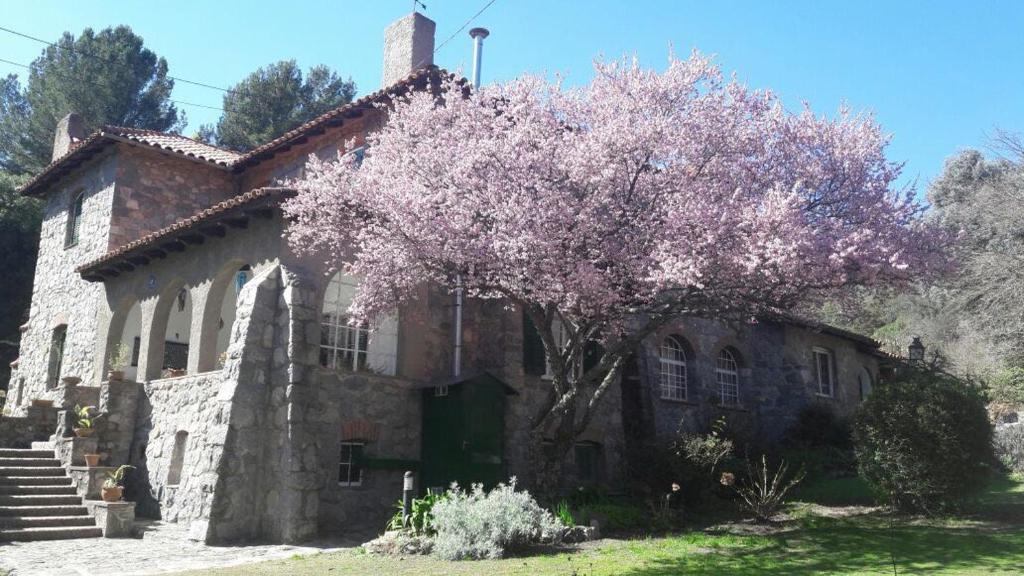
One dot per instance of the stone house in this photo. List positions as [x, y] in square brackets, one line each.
[253, 410]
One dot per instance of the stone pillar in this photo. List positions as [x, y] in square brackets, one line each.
[150, 360]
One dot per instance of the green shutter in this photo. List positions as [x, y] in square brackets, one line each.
[534, 359]
[592, 354]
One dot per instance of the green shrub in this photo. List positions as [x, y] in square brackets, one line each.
[818, 426]
[1007, 387]
[564, 514]
[421, 515]
[924, 443]
[697, 457]
[618, 517]
[476, 524]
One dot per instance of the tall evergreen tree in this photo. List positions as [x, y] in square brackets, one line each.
[19, 235]
[107, 77]
[273, 100]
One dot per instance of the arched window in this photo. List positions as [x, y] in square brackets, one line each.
[57, 339]
[673, 369]
[727, 375]
[864, 380]
[74, 220]
[348, 346]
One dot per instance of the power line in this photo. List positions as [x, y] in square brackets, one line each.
[182, 102]
[463, 27]
[84, 53]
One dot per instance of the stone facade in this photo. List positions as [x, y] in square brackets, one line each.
[247, 444]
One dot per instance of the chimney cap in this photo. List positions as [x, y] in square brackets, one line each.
[481, 32]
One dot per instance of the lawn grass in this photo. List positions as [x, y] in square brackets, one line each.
[988, 541]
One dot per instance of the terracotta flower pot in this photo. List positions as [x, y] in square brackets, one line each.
[71, 380]
[112, 493]
[39, 403]
[92, 460]
[84, 432]
[115, 375]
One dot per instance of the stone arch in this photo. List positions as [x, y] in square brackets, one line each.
[172, 316]
[218, 313]
[124, 329]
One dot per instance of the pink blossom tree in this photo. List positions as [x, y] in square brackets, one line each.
[610, 209]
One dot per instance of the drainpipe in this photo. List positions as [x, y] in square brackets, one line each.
[478, 35]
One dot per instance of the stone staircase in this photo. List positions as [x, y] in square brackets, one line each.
[38, 500]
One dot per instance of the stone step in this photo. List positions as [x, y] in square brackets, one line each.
[41, 521]
[25, 453]
[76, 510]
[35, 481]
[31, 471]
[15, 490]
[25, 462]
[39, 500]
[49, 533]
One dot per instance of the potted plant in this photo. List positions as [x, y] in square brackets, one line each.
[119, 358]
[113, 486]
[92, 460]
[71, 380]
[83, 421]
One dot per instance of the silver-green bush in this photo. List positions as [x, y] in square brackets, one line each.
[1009, 443]
[476, 524]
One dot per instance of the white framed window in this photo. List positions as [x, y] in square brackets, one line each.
[360, 346]
[865, 383]
[561, 335]
[74, 220]
[727, 374]
[350, 469]
[824, 371]
[673, 369]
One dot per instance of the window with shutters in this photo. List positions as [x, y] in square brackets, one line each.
[74, 220]
[348, 345]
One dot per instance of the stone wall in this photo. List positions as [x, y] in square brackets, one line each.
[59, 295]
[383, 412]
[21, 431]
[776, 376]
[166, 407]
[155, 190]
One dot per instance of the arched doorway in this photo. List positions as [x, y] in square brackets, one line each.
[170, 334]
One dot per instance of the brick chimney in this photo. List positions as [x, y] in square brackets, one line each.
[408, 46]
[69, 132]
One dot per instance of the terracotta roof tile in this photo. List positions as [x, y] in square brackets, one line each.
[271, 196]
[175, 143]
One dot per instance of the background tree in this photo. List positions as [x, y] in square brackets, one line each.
[19, 235]
[107, 77]
[273, 100]
[974, 318]
[611, 209]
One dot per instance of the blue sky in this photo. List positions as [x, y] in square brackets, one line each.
[938, 75]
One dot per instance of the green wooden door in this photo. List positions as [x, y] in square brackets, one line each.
[463, 434]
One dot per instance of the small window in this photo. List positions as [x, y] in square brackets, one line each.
[587, 456]
[673, 369]
[74, 220]
[728, 376]
[824, 372]
[350, 471]
[57, 341]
